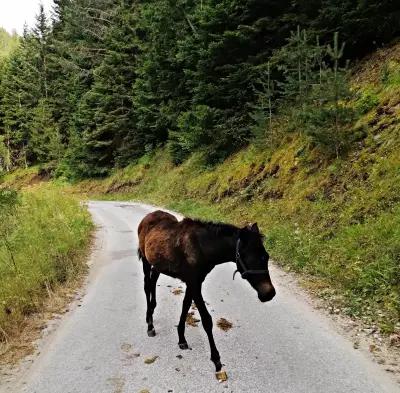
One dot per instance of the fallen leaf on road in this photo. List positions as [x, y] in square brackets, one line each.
[177, 291]
[191, 320]
[150, 360]
[224, 324]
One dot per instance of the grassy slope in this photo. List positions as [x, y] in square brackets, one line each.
[42, 245]
[337, 222]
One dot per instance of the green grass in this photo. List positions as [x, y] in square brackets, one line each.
[43, 239]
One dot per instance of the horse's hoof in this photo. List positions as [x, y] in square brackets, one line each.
[151, 333]
[222, 376]
[183, 345]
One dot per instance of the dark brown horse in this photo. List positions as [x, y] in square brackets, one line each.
[189, 250]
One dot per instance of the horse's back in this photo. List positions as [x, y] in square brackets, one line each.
[152, 221]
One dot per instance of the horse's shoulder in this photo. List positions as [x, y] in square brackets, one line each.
[188, 238]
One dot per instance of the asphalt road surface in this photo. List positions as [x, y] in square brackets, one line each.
[279, 347]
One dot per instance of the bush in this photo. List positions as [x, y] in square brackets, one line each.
[367, 101]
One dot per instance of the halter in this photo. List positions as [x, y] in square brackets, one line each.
[246, 272]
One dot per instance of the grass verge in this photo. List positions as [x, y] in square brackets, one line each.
[44, 237]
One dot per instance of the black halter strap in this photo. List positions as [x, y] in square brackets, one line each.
[239, 262]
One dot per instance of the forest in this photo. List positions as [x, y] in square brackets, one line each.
[102, 83]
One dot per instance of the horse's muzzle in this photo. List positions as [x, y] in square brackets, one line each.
[267, 295]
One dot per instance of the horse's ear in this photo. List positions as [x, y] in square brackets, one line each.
[254, 228]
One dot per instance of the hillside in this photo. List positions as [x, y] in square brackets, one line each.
[337, 221]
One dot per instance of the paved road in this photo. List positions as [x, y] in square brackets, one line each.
[279, 347]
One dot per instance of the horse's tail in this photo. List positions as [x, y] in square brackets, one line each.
[140, 254]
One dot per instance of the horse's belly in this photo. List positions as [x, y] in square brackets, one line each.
[167, 270]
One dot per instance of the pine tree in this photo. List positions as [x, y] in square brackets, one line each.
[160, 92]
[329, 115]
[78, 47]
[316, 94]
[45, 141]
[262, 113]
[107, 111]
[40, 35]
[20, 93]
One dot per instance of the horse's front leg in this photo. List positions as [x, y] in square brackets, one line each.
[206, 320]
[187, 301]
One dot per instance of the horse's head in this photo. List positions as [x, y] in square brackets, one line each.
[252, 262]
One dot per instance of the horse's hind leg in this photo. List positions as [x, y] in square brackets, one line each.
[147, 289]
[153, 302]
[187, 301]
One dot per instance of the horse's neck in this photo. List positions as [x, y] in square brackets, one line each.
[222, 249]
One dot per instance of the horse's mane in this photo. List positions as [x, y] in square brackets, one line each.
[216, 228]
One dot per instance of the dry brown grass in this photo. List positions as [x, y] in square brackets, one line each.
[21, 342]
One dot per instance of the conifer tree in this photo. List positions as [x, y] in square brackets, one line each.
[20, 93]
[44, 142]
[107, 110]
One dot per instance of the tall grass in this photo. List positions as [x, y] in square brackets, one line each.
[43, 236]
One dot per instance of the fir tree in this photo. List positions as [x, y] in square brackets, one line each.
[106, 110]
[44, 142]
